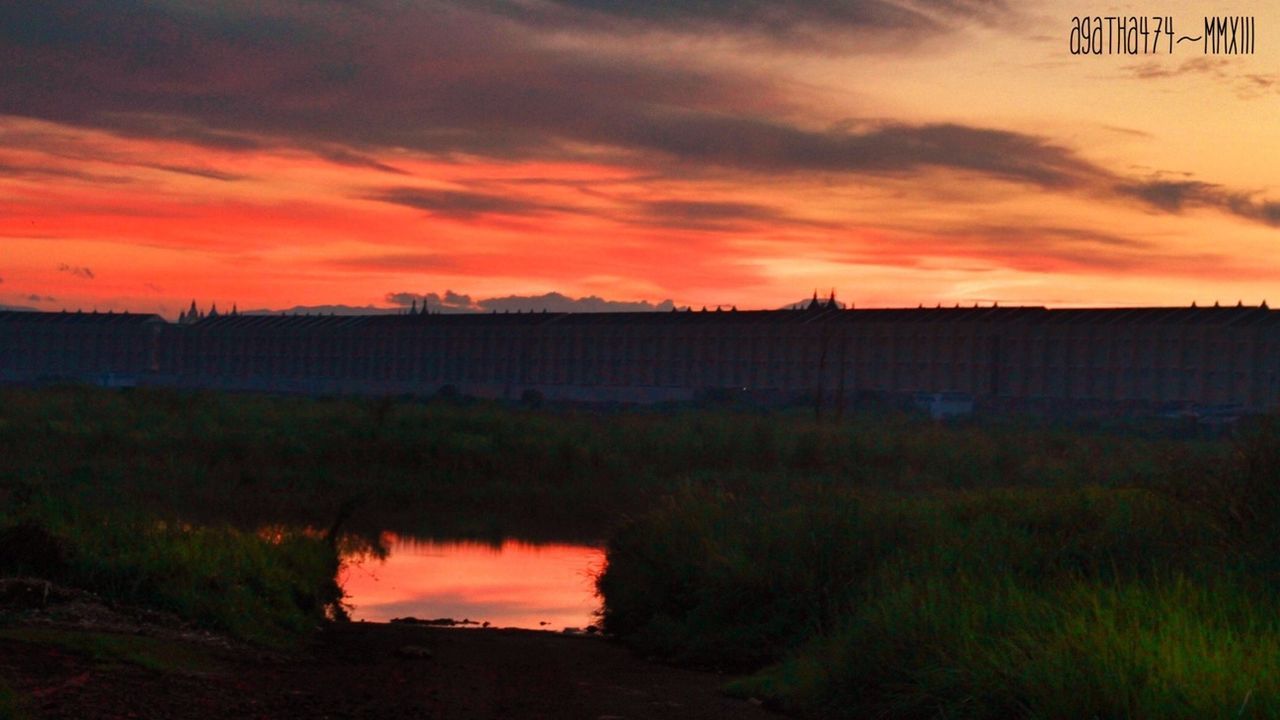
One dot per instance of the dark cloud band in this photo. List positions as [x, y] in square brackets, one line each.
[346, 79]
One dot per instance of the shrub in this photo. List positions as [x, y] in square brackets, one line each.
[270, 590]
[1019, 602]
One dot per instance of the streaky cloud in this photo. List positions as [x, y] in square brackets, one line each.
[557, 302]
[83, 273]
[207, 173]
[461, 204]
[395, 262]
[452, 301]
[449, 79]
[774, 18]
[891, 148]
[1175, 196]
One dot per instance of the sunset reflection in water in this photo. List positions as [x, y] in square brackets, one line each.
[516, 584]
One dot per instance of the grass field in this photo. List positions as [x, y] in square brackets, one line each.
[462, 469]
[885, 566]
[1152, 598]
[11, 706]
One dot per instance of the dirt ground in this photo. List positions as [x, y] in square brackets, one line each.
[109, 667]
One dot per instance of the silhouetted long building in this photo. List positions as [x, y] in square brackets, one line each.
[1030, 358]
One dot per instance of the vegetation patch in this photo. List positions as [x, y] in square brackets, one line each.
[159, 654]
[484, 469]
[884, 565]
[12, 707]
[266, 590]
[997, 600]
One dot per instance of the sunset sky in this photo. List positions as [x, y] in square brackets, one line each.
[274, 153]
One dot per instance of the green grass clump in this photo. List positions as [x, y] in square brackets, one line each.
[12, 706]
[992, 648]
[1001, 601]
[472, 468]
[264, 589]
[723, 581]
[267, 590]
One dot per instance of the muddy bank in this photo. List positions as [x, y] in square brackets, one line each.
[353, 670]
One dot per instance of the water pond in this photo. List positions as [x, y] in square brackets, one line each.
[512, 584]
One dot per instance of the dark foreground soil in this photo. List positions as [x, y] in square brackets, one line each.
[352, 670]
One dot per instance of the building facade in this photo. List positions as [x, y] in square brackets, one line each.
[1024, 359]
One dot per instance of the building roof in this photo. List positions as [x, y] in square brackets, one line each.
[1166, 316]
[79, 319]
[277, 322]
[1237, 316]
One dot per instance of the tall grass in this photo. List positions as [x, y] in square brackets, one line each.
[885, 566]
[477, 468]
[266, 589]
[1153, 598]
[966, 647]
[11, 705]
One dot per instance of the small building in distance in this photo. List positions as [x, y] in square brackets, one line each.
[945, 405]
